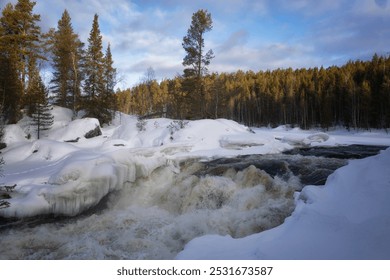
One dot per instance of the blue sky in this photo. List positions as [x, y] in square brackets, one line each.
[246, 35]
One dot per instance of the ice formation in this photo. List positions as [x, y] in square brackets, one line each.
[79, 182]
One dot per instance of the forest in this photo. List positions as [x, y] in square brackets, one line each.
[83, 78]
[355, 95]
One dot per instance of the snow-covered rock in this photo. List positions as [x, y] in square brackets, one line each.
[74, 129]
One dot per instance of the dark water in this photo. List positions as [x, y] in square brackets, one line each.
[339, 152]
[311, 165]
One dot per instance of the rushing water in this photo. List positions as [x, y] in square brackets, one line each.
[155, 217]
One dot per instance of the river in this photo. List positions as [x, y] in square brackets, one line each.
[155, 217]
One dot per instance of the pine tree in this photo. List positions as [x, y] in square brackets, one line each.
[10, 87]
[193, 44]
[197, 59]
[21, 44]
[29, 37]
[67, 51]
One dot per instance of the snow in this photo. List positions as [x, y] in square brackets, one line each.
[347, 218]
[74, 130]
[296, 140]
[14, 134]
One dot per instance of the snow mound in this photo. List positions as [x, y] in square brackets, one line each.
[200, 136]
[206, 134]
[348, 218]
[14, 133]
[74, 130]
[50, 150]
[62, 117]
[38, 151]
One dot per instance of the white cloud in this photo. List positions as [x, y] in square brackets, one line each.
[310, 7]
[265, 57]
[354, 33]
[372, 8]
[237, 38]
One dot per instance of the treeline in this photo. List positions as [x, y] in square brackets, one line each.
[356, 95]
[83, 78]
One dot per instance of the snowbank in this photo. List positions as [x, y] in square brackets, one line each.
[74, 130]
[348, 218]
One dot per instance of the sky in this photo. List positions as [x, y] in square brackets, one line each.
[246, 34]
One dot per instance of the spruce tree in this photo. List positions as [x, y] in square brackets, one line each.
[42, 118]
[108, 100]
[67, 51]
[109, 71]
[94, 86]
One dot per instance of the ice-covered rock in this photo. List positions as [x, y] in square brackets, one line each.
[304, 141]
[242, 141]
